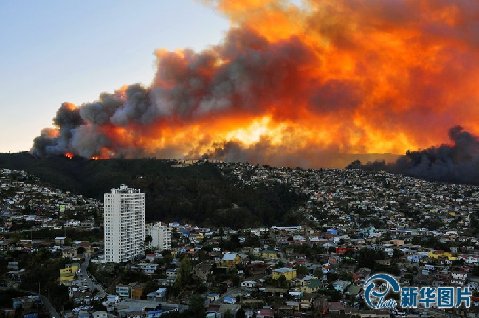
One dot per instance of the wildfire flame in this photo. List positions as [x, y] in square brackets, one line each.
[294, 85]
[69, 155]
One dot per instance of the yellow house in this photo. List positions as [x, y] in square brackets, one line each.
[288, 273]
[67, 274]
[397, 242]
[136, 291]
[197, 236]
[311, 286]
[230, 260]
[441, 254]
[269, 255]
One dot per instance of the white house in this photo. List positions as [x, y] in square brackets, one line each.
[148, 268]
[458, 278]
[248, 284]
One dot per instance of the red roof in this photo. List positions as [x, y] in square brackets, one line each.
[335, 306]
[266, 312]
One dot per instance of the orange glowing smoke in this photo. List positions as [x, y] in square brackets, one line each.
[295, 85]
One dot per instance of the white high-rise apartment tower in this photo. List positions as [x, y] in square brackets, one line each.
[124, 222]
[160, 235]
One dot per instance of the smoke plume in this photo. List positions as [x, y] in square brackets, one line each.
[294, 85]
[457, 162]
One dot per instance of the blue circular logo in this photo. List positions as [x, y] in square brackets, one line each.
[377, 287]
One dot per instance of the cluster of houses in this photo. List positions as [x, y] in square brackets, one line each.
[299, 270]
[25, 203]
[353, 224]
[357, 198]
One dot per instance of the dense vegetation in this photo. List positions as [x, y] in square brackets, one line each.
[197, 193]
[41, 274]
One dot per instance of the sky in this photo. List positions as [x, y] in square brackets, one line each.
[54, 51]
[278, 83]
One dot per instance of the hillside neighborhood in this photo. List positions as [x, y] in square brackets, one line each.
[350, 225]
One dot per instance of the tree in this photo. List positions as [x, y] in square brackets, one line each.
[332, 277]
[97, 305]
[279, 264]
[252, 241]
[196, 307]
[240, 313]
[282, 282]
[148, 240]
[232, 245]
[302, 270]
[149, 287]
[58, 295]
[367, 257]
[80, 250]
[183, 276]
[333, 294]
[235, 279]
[318, 272]
[397, 253]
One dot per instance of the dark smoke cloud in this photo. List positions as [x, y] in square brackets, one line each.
[137, 108]
[358, 74]
[257, 74]
[186, 87]
[50, 142]
[264, 152]
[456, 163]
[100, 112]
[45, 143]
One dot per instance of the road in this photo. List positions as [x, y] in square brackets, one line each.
[53, 312]
[87, 278]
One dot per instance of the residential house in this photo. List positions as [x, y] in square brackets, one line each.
[248, 284]
[265, 313]
[230, 260]
[288, 273]
[148, 268]
[311, 286]
[123, 291]
[341, 285]
[269, 255]
[67, 274]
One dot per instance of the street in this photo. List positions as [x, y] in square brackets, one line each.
[53, 312]
[88, 280]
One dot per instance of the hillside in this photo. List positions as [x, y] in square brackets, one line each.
[197, 193]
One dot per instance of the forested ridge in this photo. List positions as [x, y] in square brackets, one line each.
[200, 193]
